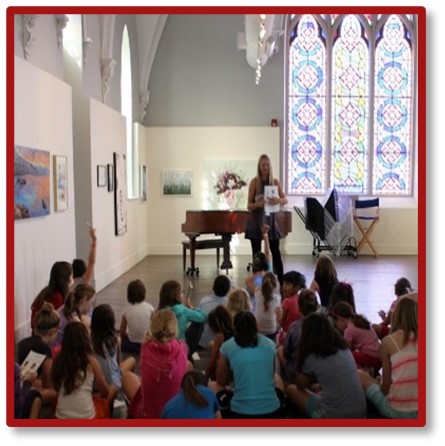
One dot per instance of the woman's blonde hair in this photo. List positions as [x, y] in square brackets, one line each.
[163, 326]
[238, 300]
[271, 179]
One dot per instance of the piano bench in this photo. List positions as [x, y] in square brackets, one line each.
[202, 244]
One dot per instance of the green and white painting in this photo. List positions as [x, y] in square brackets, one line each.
[177, 182]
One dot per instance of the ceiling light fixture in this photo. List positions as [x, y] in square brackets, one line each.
[262, 34]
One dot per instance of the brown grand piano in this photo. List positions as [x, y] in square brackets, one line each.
[224, 223]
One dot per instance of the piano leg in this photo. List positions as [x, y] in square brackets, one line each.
[226, 263]
[192, 270]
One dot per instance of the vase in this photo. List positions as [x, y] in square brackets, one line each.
[230, 198]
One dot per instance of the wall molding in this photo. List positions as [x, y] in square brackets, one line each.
[61, 21]
[107, 71]
[28, 25]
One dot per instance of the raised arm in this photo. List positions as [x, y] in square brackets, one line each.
[265, 232]
[91, 256]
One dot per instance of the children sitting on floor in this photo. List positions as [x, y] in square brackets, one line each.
[221, 287]
[360, 336]
[293, 283]
[136, 317]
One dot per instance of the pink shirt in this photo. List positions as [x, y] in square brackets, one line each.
[162, 369]
[363, 340]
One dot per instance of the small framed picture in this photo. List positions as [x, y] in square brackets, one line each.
[60, 183]
[144, 182]
[101, 176]
[110, 170]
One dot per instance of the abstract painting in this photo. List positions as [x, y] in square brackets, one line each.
[31, 182]
[60, 183]
[120, 193]
[177, 182]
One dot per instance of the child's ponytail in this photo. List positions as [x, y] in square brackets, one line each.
[189, 382]
[267, 288]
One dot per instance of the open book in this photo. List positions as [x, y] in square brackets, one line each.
[31, 364]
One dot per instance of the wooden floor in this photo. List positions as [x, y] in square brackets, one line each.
[372, 278]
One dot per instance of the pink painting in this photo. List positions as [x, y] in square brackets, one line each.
[31, 182]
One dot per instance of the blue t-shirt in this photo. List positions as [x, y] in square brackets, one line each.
[179, 408]
[253, 376]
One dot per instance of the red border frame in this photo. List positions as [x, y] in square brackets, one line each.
[10, 12]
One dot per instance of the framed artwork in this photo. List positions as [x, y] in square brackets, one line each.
[101, 176]
[31, 182]
[110, 171]
[228, 183]
[120, 193]
[177, 182]
[144, 183]
[60, 183]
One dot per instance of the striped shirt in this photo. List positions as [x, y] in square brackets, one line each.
[403, 392]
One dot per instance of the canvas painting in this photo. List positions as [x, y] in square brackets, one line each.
[144, 183]
[110, 171]
[177, 182]
[101, 176]
[228, 183]
[60, 183]
[120, 193]
[31, 182]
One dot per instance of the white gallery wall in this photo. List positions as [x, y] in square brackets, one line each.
[43, 120]
[115, 254]
[188, 148]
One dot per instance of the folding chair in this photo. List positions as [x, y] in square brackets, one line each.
[366, 217]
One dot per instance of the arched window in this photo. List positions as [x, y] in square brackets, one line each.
[72, 38]
[350, 107]
[127, 111]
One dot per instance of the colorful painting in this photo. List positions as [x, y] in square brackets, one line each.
[31, 182]
[120, 193]
[228, 183]
[60, 183]
[177, 182]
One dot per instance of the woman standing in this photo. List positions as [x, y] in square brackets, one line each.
[255, 205]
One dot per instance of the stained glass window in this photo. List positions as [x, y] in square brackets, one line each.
[350, 104]
[307, 97]
[392, 115]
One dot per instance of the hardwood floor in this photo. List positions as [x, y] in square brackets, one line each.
[372, 278]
